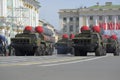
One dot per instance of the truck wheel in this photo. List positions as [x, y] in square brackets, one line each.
[38, 51]
[99, 51]
[17, 53]
[51, 51]
[104, 52]
[58, 51]
[116, 53]
[72, 51]
[76, 52]
[41, 51]
[47, 51]
[65, 50]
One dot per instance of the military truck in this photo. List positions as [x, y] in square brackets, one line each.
[88, 41]
[64, 45]
[31, 42]
[113, 46]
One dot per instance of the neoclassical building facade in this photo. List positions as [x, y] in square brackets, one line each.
[16, 14]
[106, 16]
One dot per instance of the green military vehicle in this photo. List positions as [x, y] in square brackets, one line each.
[64, 46]
[32, 43]
[89, 41]
[113, 46]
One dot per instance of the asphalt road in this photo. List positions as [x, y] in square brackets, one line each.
[60, 68]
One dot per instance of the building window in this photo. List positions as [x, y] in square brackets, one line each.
[91, 25]
[118, 17]
[91, 17]
[71, 28]
[110, 17]
[77, 18]
[77, 28]
[100, 18]
[65, 28]
[64, 19]
[71, 19]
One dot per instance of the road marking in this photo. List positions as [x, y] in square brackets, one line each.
[73, 61]
[48, 61]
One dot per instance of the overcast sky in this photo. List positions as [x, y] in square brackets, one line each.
[49, 8]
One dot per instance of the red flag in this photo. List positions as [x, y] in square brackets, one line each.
[100, 25]
[104, 25]
[111, 26]
[108, 24]
[117, 26]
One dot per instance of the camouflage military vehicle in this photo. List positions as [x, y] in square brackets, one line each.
[88, 41]
[64, 45]
[32, 43]
[113, 46]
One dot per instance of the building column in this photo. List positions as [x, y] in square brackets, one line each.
[3, 8]
[61, 23]
[68, 25]
[80, 22]
[87, 21]
[37, 18]
[74, 25]
[96, 20]
[30, 15]
[115, 21]
[106, 23]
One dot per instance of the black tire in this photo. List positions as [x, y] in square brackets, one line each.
[76, 52]
[37, 52]
[51, 51]
[117, 52]
[99, 51]
[42, 50]
[72, 51]
[104, 52]
[48, 52]
[18, 53]
[58, 51]
[65, 50]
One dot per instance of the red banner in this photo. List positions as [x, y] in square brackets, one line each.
[110, 26]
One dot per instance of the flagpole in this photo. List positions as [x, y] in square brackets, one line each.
[106, 23]
[115, 23]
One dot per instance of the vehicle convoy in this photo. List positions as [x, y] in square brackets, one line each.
[89, 41]
[33, 42]
[112, 45]
[64, 45]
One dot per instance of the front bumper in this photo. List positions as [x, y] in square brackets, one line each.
[89, 47]
[23, 46]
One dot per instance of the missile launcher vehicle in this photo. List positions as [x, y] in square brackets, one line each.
[89, 41]
[113, 45]
[64, 45]
[30, 42]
